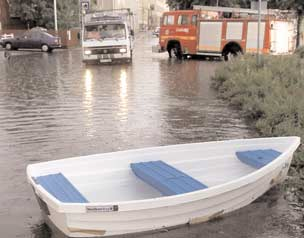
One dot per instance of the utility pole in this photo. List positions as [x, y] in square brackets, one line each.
[55, 16]
[259, 34]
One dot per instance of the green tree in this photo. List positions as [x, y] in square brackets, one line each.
[33, 12]
[41, 12]
[67, 13]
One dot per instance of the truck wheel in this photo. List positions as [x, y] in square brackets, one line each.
[231, 52]
[45, 48]
[8, 46]
[228, 56]
[169, 53]
[175, 51]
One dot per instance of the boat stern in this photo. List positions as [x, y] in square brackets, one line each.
[58, 215]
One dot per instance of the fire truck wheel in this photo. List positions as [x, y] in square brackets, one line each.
[175, 51]
[230, 55]
[169, 53]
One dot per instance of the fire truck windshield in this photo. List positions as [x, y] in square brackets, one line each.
[105, 31]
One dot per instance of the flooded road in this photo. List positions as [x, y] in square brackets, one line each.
[52, 107]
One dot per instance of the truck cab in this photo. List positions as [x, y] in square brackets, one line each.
[178, 32]
[107, 39]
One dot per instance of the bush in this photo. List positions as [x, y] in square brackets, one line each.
[271, 95]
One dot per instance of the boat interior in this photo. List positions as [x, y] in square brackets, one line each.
[147, 173]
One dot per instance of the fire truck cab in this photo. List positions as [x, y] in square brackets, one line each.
[224, 32]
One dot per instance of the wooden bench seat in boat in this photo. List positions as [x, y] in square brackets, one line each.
[165, 178]
[61, 188]
[257, 158]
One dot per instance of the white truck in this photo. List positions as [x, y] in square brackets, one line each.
[108, 36]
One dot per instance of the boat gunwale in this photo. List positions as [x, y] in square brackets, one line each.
[152, 203]
[162, 147]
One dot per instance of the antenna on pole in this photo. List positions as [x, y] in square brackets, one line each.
[259, 34]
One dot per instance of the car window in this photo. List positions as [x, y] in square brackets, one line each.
[26, 35]
[46, 35]
[194, 20]
[170, 20]
[165, 21]
[183, 20]
[35, 35]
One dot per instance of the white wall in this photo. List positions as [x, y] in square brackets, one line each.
[140, 9]
[104, 4]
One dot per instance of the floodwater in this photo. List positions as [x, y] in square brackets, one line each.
[52, 107]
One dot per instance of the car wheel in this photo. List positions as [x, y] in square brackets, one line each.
[8, 46]
[45, 48]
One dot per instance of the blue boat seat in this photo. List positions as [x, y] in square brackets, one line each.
[257, 158]
[165, 178]
[61, 188]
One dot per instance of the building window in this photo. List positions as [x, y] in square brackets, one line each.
[183, 20]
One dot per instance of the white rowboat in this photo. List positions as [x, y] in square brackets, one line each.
[154, 188]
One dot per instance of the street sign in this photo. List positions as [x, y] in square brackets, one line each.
[85, 4]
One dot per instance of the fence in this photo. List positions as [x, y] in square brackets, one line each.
[69, 38]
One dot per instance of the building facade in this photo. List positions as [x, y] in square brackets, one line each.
[160, 8]
[147, 13]
[4, 14]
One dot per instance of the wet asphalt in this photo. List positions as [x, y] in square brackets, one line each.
[52, 107]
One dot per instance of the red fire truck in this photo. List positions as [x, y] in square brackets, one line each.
[219, 31]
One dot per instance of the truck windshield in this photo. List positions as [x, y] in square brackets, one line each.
[105, 31]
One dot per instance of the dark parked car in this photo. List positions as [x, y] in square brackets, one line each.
[36, 38]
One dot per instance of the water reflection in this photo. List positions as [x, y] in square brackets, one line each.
[88, 101]
[88, 88]
[123, 93]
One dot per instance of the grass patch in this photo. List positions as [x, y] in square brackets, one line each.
[271, 96]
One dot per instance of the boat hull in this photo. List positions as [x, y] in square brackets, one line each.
[101, 224]
[196, 207]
